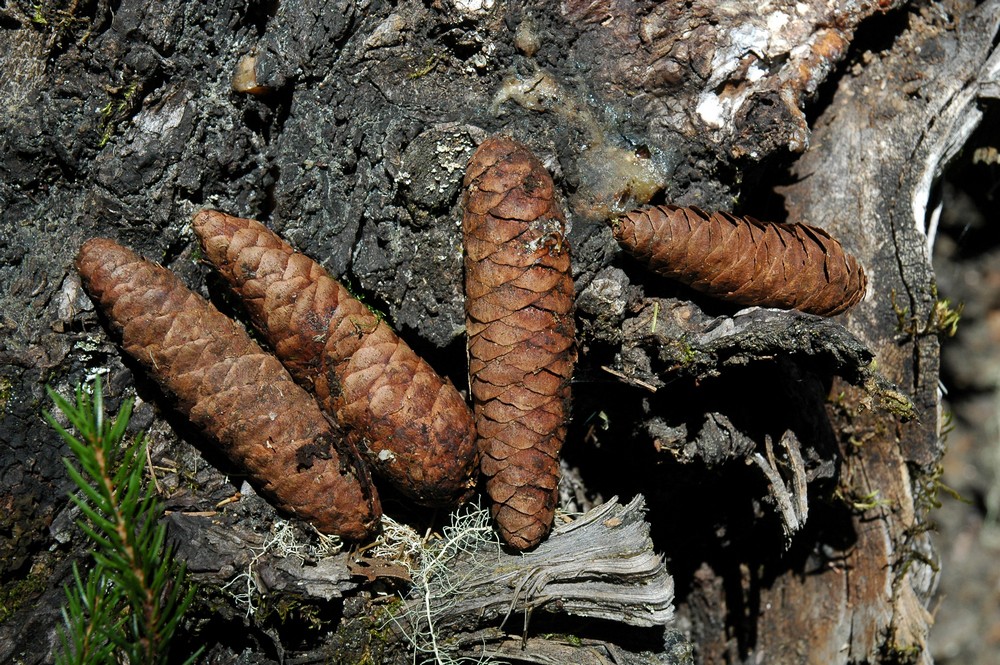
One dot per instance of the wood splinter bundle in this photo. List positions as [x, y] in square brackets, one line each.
[416, 429]
[519, 320]
[743, 260]
[236, 393]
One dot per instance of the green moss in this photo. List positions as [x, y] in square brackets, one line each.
[6, 389]
[116, 110]
[860, 502]
[688, 354]
[372, 634]
[292, 609]
[898, 654]
[429, 64]
[17, 593]
[59, 19]
[360, 297]
[678, 352]
[38, 17]
[897, 404]
[565, 638]
[942, 319]
[928, 488]
[887, 396]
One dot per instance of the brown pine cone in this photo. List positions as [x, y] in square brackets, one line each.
[416, 429]
[743, 260]
[236, 393]
[519, 318]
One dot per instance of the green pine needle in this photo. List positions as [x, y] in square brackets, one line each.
[131, 603]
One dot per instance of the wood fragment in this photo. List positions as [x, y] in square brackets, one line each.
[601, 565]
[791, 498]
[628, 379]
[231, 389]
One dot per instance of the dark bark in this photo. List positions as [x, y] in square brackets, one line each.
[759, 467]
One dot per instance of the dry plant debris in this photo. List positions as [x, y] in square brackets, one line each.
[601, 565]
[743, 260]
[519, 320]
[414, 427]
[236, 393]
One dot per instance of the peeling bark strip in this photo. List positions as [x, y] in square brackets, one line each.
[229, 387]
[519, 319]
[743, 260]
[416, 428]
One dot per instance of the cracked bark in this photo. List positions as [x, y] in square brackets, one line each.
[122, 123]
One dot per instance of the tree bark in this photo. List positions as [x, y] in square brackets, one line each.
[787, 462]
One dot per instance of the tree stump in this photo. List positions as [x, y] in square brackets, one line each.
[786, 463]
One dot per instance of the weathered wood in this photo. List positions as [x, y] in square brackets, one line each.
[466, 592]
[676, 338]
[601, 565]
[878, 151]
[558, 651]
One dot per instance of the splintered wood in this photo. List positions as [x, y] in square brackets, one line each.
[519, 319]
[601, 566]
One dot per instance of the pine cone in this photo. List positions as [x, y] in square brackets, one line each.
[743, 260]
[519, 318]
[236, 393]
[416, 428]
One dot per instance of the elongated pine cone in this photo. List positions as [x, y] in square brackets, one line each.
[416, 429]
[519, 319]
[743, 260]
[235, 392]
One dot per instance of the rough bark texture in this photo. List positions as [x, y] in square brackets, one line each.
[743, 260]
[120, 120]
[519, 319]
[415, 429]
[889, 143]
[240, 396]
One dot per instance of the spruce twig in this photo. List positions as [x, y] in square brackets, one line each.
[135, 594]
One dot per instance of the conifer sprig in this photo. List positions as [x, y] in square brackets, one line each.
[135, 594]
